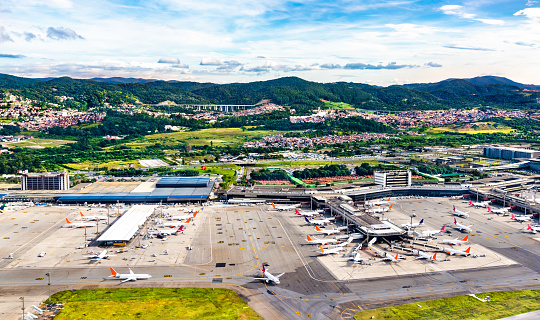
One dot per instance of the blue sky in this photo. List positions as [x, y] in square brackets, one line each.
[377, 42]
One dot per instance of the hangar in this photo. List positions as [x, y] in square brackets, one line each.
[126, 227]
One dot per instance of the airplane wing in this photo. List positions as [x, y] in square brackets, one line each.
[128, 279]
[265, 279]
[279, 275]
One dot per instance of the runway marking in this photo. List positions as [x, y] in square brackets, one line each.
[204, 277]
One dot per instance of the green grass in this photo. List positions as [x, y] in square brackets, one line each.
[337, 105]
[503, 304]
[216, 136]
[39, 143]
[117, 164]
[480, 127]
[152, 303]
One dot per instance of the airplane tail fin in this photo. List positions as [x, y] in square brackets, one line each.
[195, 214]
[388, 199]
[188, 220]
[455, 221]
[489, 209]
[466, 238]
[113, 272]
[322, 250]
[470, 203]
[82, 215]
[396, 257]
[529, 227]
[454, 208]
[468, 250]
[309, 238]
[442, 229]
[317, 228]
[263, 269]
[434, 256]
[512, 216]
[67, 221]
[390, 208]
[273, 205]
[421, 221]
[307, 220]
[296, 212]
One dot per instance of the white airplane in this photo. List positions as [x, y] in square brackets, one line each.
[391, 258]
[520, 219]
[79, 224]
[455, 241]
[498, 211]
[462, 227]
[482, 204]
[412, 225]
[92, 218]
[423, 255]
[125, 277]
[378, 202]
[184, 217]
[327, 231]
[170, 232]
[100, 255]
[306, 213]
[429, 233]
[285, 208]
[334, 250]
[452, 252]
[379, 210]
[176, 224]
[460, 213]
[358, 259]
[269, 277]
[343, 244]
[319, 221]
[320, 241]
[533, 229]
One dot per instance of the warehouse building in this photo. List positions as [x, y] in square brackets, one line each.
[510, 153]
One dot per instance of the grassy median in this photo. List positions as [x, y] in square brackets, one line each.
[502, 304]
[153, 303]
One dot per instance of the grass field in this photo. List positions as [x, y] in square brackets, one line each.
[337, 105]
[216, 136]
[503, 304]
[472, 128]
[118, 164]
[39, 143]
[153, 303]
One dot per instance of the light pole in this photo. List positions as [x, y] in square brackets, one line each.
[108, 215]
[22, 298]
[48, 274]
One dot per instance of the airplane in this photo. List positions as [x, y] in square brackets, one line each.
[460, 213]
[100, 255]
[504, 211]
[176, 224]
[452, 252]
[327, 231]
[423, 255]
[184, 217]
[378, 202]
[358, 259]
[320, 221]
[533, 229]
[413, 225]
[481, 204]
[320, 241]
[461, 227]
[429, 233]
[306, 213]
[125, 277]
[92, 218]
[391, 258]
[79, 224]
[520, 219]
[343, 244]
[455, 241]
[334, 250]
[269, 277]
[284, 208]
[169, 232]
[379, 210]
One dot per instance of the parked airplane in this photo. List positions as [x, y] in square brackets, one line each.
[358, 259]
[79, 224]
[319, 241]
[520, 218]
[424, 255]
[334, 250]
[284, 208]
[319, 221]
[269, 277]
[391, 258]
[504, 211]
[92, 218]
[176, 224]
[100, 255]
[429, 233]
[170, 232]
[412, 225]
[125, 277]
[483, 204]
[455, 241]
[462, 227]
[460, 213]
[344, 244]
[533, 229]
[378, 202]
[184, 217]
[379, 210]
[327, 231]
[452, 252]
[306, 213]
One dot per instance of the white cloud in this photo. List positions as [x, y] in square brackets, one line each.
[4, 36]
[460, 11]
[531, 13]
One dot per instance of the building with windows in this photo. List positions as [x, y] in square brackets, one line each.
[393, 178]
[510, 153]
[45, 181]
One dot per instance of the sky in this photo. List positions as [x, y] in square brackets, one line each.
[379, 42]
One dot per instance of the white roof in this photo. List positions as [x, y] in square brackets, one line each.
[127, 225]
